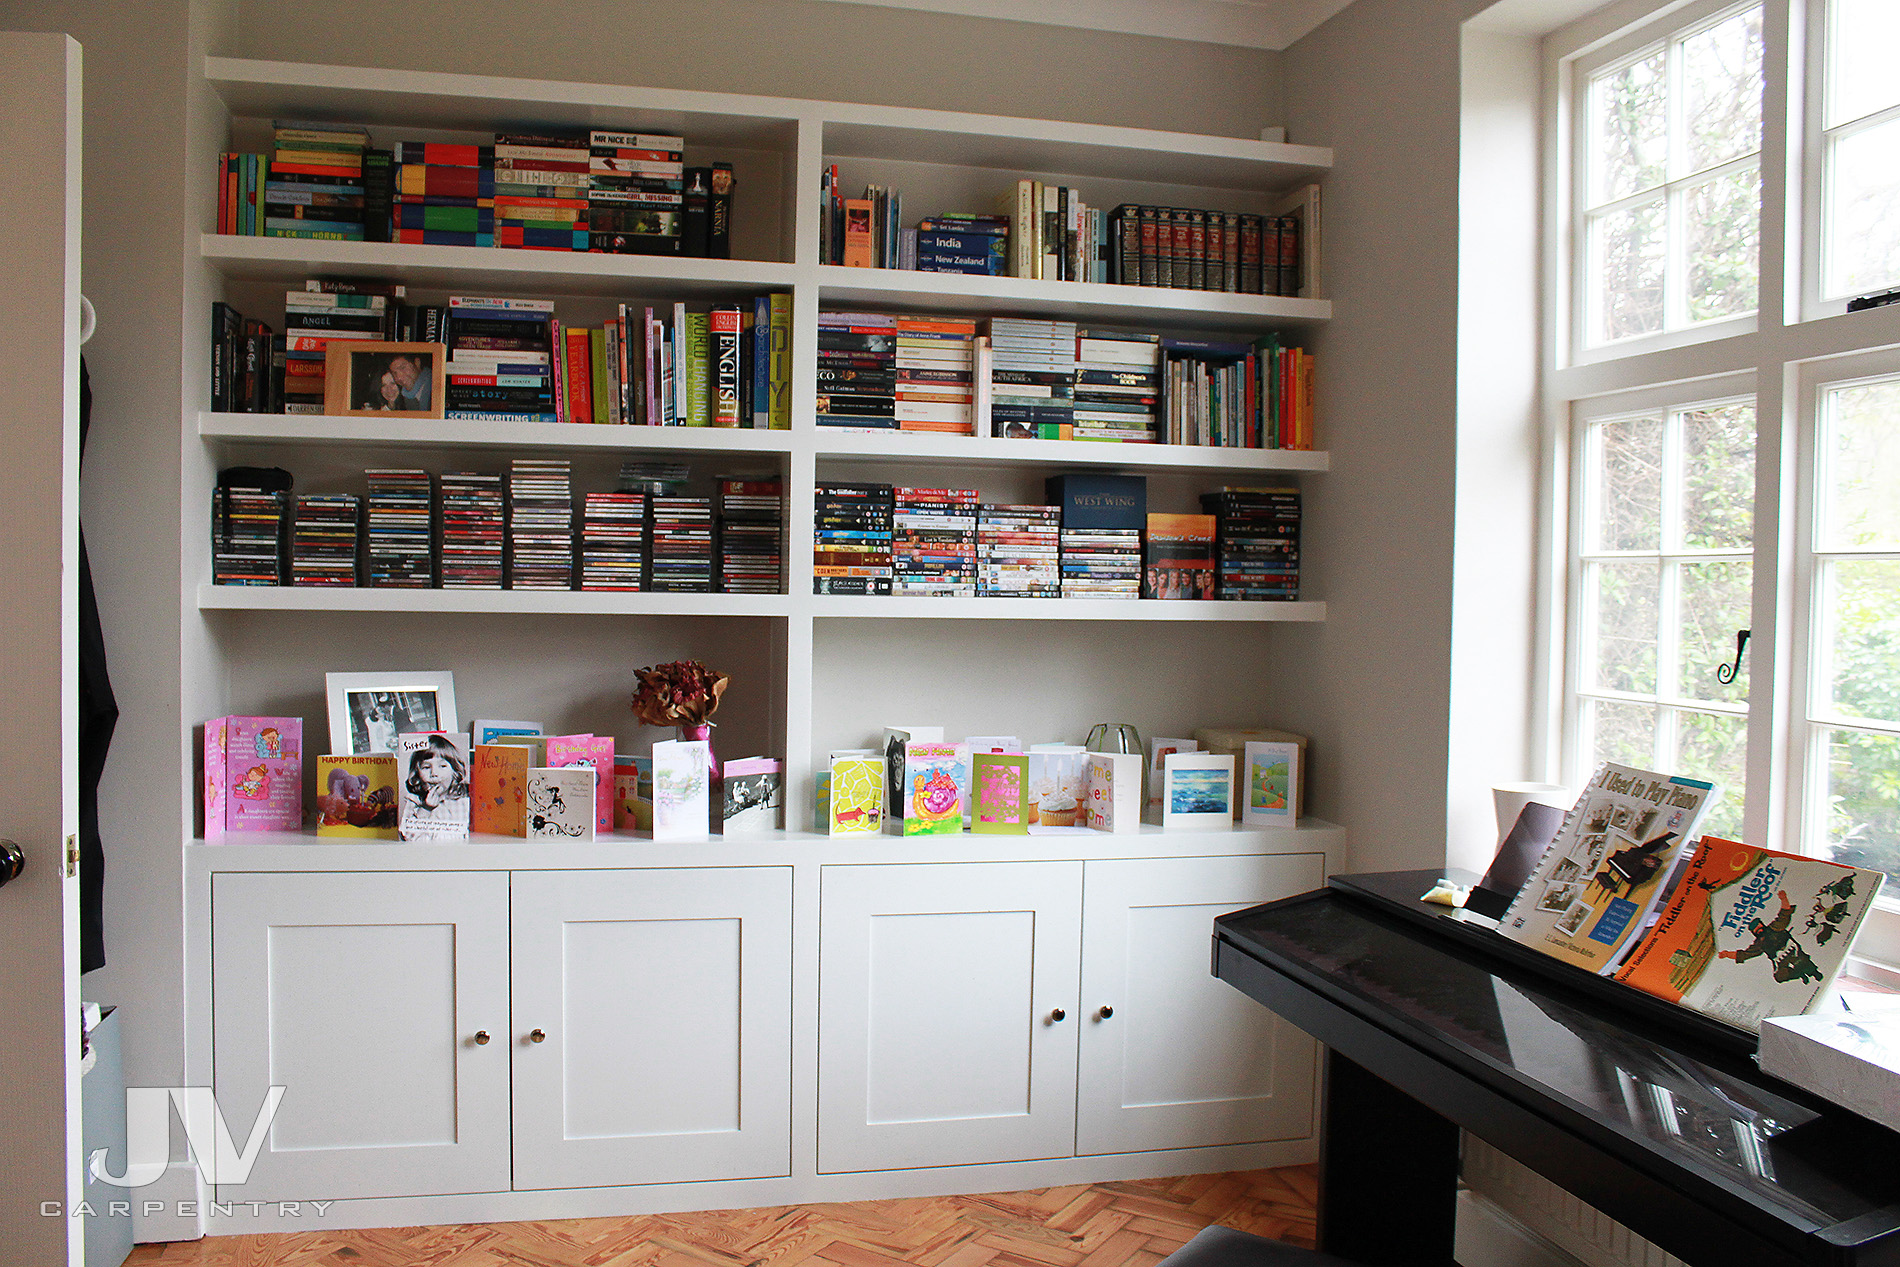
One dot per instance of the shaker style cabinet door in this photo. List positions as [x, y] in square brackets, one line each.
[940, 988]
[379, 1002]
[1172, 1057]
[652, 1025]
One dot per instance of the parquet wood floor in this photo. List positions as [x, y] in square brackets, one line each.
[1131, 1224]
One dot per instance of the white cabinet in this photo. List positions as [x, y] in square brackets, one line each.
[939, 989]
[365, 997]
[648, 1038]
[664, 1002]
[1172, 1057]
[993, 1012]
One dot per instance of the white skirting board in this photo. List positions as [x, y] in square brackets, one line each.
[1517, 1218]
[171, 1209]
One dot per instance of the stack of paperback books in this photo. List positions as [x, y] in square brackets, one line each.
[934, 541]
[959, 242]
[857, 370]
[247, 536]
[861, 232]
[613, 541]
[681, 559]
[323, 541]
[1256, 541]
[474, 516]
[851, 546]
[1057, 236]
[1032, 377]
[635, 192]
[500, 356]
[316, 316]
[933, 362]
[1116, 386]
[540, 525]
[541, 192]
[444, 194]
[315, 187]
[751, 523]
[1018, 551]
[401, 532]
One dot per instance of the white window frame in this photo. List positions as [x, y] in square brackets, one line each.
[1814, 153]
[1681, 22]
[1724, 390]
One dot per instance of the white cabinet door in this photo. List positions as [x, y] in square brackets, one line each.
[362, 995]
[938, 988]
[1180, 1059]
[663, 1002]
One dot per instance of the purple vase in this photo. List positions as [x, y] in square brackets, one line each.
[715, 789]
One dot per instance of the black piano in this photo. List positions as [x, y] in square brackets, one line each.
[1652, 1114]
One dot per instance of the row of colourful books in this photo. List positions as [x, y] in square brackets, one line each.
[499, 778]
[1094, 539]
[546, 189]
[519, 530]
[1624, 888]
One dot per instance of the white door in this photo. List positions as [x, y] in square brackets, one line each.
[1170, 1056]
[379, 1002]
[652, 1026]
[39, 913]
[946, 1023]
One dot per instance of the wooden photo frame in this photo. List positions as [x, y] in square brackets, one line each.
[369, 710]
[384, 380]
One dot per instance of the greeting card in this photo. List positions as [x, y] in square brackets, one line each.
[1058, 775]
[253, 775]
[356, 796]
[935, 788]
[432, 802]
[498, 789]
[857, 796]
[596, 751]
[633, 793]
[999, 789]
[1272, 787]
[752, 796]
[682, 786]
[1113, 793]
[560, 803]
[1198, 791]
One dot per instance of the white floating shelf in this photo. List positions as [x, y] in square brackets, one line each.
[893, 607]
[841, 287]
[498, 602]
[839, 445]
[327, 429]
[481, 267]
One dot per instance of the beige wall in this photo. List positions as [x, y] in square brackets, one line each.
[792, 48]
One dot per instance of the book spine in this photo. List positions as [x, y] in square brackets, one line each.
[781, 371]
[696, 362]
[597, 375]
[1149, 257]
[723, 329]
[695, 212]
[719, 213]
[760, 417]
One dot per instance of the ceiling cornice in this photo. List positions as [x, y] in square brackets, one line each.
[1270, 24]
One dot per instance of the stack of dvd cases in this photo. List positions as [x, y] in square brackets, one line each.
[247, 536]
[1256, 542]
[401, 529]
[751, 524]
[851, 545]
[1018, 551]
[681, 557]
[323, 541]
[473, 522]
[613, 541]
[1101, 563]
[933, 541]
[540, 525]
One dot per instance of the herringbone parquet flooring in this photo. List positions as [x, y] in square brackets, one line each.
[1131, 1224]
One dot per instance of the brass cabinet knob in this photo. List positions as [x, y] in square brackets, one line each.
[481, 1038]
[1104, 1012]
[536, 1036]
[1057, 1015]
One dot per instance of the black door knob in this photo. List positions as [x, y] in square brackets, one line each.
[12, 860]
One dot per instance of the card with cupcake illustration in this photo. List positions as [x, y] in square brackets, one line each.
[1058, 785]
[935, 788]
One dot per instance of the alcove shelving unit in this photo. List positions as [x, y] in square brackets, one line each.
[810, 674]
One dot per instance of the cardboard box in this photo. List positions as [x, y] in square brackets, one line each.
[1850, 1058]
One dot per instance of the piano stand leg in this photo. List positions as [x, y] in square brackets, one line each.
[1388, 1172]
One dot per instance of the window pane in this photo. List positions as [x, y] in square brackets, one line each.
[1862, 795]
[1625, 633]
[1718, 477]
[1624, 733]
[1721, 219]
[1721, 71]
[1862, 243]
[1860, 489]
[1714, 747]
[1712, 604]
[1629, 130]
[1627, 248]
[1860, 78]
[1628, 461]
[1863, 638]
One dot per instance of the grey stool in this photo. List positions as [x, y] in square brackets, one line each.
[1225, 1247]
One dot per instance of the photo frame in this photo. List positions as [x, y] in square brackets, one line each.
[1270, 788]
[1197, 791]
[369, 710]
[384, 380]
